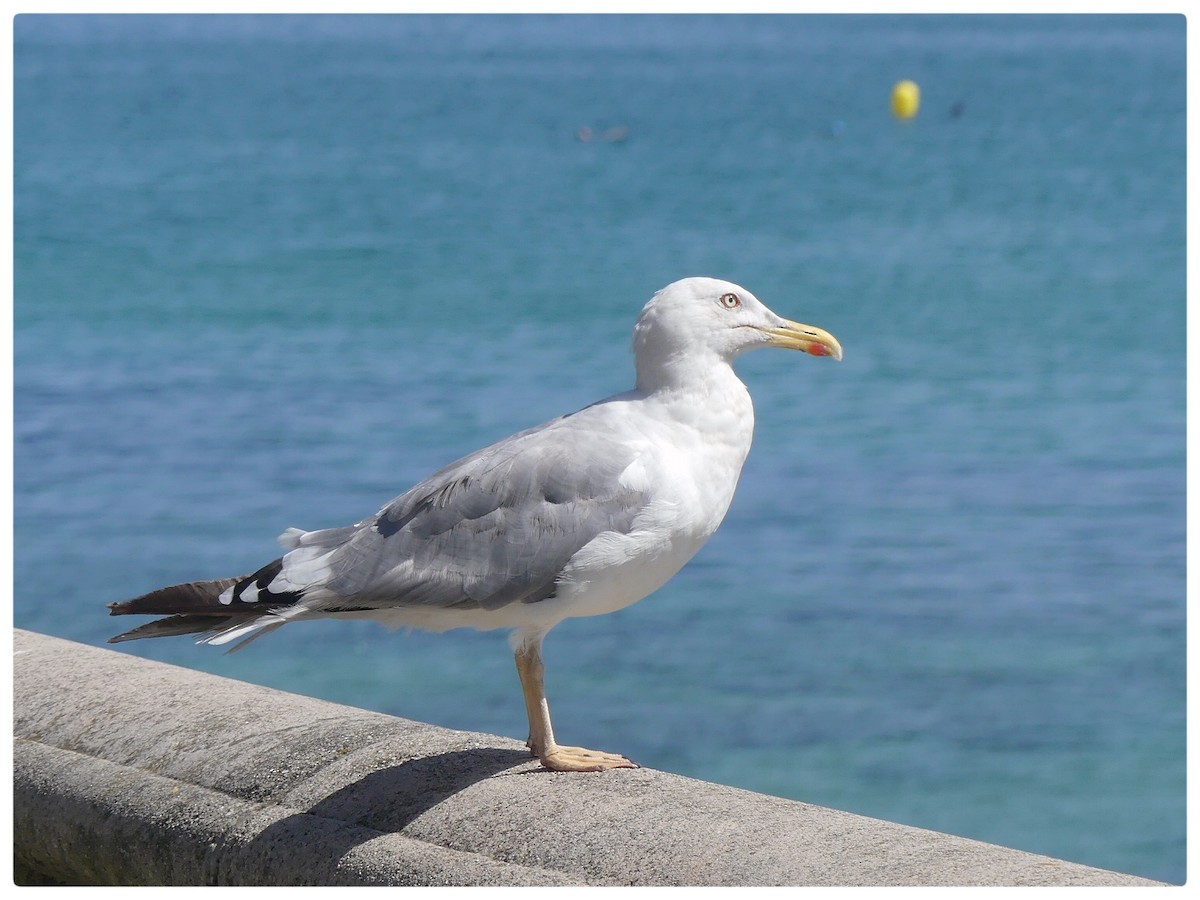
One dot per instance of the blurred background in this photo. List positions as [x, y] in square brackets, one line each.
[271, 271]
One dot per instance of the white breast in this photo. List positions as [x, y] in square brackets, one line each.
[693, 450]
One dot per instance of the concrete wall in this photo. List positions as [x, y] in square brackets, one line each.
[132, 772]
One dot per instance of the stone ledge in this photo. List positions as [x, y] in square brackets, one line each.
[128, 771]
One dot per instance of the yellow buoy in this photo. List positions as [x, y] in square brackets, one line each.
[906, 98]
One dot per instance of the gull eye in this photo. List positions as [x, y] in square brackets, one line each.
[731, 301]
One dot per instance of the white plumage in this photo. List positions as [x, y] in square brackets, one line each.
[580, 516]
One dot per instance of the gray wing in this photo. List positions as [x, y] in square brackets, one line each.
[491, 529]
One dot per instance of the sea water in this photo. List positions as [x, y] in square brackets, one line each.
[270, 272]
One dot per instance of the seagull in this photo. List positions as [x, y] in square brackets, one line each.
[580, 516]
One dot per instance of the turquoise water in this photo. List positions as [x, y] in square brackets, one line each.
[272, 271]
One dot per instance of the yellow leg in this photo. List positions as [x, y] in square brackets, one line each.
[541, 733]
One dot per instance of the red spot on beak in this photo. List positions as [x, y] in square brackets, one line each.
[818, 350]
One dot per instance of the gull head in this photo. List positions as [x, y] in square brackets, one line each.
[704, 320]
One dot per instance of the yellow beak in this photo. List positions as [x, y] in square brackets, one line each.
[794, 336]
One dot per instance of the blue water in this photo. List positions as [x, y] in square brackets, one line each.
[272, 271]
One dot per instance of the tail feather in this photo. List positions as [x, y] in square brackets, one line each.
[247, 630]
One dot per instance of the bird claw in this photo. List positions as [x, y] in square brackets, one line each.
[580, 759]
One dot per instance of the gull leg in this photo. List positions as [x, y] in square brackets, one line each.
[541, 733]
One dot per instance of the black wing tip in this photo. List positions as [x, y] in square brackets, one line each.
[189, 597]
[171, 626]
[124, 636]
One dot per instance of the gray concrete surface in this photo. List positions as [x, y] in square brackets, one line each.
[130, 772]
